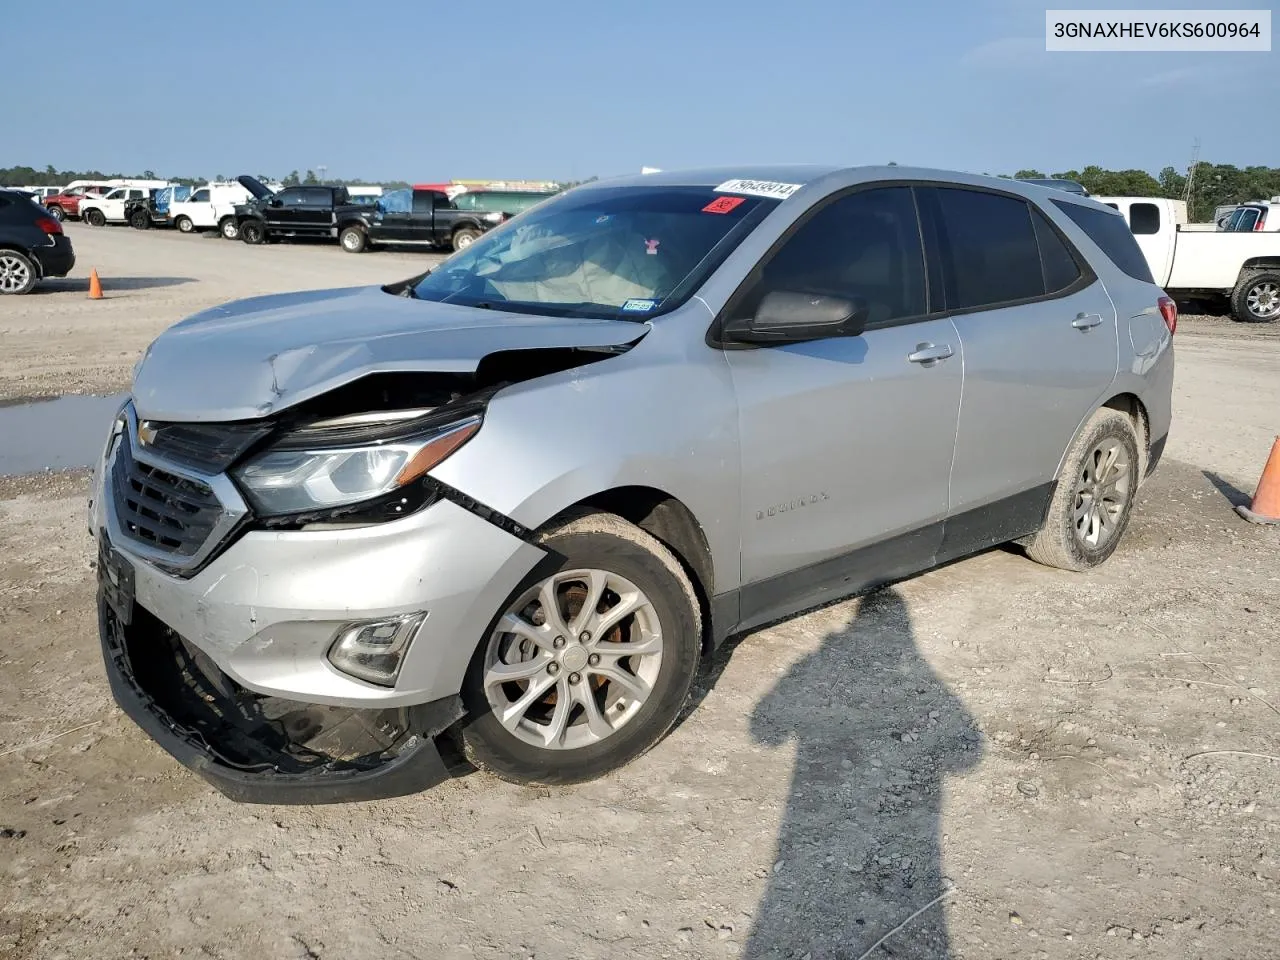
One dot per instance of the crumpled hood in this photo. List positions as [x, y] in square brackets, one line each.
[250, 358]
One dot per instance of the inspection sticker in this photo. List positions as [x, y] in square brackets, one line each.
[639, 306]
[760, 188]
[723, 204]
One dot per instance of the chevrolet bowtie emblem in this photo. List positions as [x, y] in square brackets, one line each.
[146, 434]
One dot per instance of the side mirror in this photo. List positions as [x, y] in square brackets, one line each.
[790, 317]
[275, 202]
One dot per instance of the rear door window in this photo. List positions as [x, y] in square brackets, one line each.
[1110, 232]
[1144, 219]
[989, 251]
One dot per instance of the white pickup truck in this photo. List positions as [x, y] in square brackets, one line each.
[109, 207]
[1242, 268]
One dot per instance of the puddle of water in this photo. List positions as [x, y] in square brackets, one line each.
[59, 434]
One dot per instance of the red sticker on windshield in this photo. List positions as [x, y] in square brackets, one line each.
[722, 204]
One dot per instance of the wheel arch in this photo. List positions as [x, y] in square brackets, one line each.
[669, 521]
[1131, 405]
[1260, 263]
[23, 251]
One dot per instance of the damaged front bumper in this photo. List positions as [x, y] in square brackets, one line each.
[263, 749]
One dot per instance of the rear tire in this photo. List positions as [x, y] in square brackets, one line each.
[464, 238]
[56, 212]
[228, 228]
[1256, 297]
[95, 218]
[353, 239]
[18, 274]
[252, 232]
[1094, 498]
[609, 722]
[184, 225]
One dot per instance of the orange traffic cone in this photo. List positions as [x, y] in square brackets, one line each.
[1266, 499]
[95, 285]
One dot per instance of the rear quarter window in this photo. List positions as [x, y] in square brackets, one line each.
[1113, 237]
[1144, 219]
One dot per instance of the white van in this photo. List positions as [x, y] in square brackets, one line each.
[210, 206]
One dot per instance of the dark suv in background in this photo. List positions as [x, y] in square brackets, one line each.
[32, 244]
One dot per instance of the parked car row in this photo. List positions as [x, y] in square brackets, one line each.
[443, 216]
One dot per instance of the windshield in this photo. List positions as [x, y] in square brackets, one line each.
[612, 252]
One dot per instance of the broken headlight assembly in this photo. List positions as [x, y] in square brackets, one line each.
[355, 469]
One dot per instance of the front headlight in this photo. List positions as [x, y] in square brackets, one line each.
[294, 478]
[493, 217]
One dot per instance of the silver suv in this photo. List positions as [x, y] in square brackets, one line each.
[518, 498]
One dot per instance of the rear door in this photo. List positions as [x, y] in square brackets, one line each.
[847, 441]
[1038, 332]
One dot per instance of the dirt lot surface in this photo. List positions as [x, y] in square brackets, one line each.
[1072, 766]
[58, 341]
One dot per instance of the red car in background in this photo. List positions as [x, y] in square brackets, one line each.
[66, 205]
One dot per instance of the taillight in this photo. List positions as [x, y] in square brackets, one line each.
[1257, 224]
[49, 226]
[1169, 310]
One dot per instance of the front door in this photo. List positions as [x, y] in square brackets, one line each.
[1039, 338]
[846, 442]
[315, 215]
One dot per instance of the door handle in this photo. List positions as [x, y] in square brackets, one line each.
[929, 353]
[1084, 321]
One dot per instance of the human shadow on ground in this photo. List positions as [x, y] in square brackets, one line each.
[109, 284]
[877, 733]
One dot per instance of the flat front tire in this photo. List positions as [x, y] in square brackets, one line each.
[227, 227]
[1094, 497]
[589, 662]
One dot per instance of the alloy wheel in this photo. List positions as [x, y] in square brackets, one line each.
[1263, 300]
[1103, 490]
[573, 660]
[15, 273]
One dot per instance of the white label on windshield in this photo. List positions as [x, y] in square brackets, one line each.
[759, 188]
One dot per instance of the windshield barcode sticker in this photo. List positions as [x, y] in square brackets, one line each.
[639, 306]
[760, 188]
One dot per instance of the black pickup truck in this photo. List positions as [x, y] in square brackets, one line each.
[426, 218]
[303, 211]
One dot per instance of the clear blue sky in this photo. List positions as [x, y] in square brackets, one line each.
[568, 89]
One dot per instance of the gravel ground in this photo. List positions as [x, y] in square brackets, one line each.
[1069, 765]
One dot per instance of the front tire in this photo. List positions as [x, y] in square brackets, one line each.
[95, 218]
[464, 238]
[228, 228]
[1094, 498]
[18, 274]
[590, 660]
[57, 212]
[252, 232]
[353, 240]
[141, 220]
[1256, 297]
[184, 225]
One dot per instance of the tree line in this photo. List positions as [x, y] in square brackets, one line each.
[52, 177]
[1214, 184]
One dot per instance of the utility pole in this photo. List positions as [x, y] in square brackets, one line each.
[320, 169]
[1191, 173]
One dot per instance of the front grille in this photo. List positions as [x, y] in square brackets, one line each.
[159, 509]
[206, 447]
